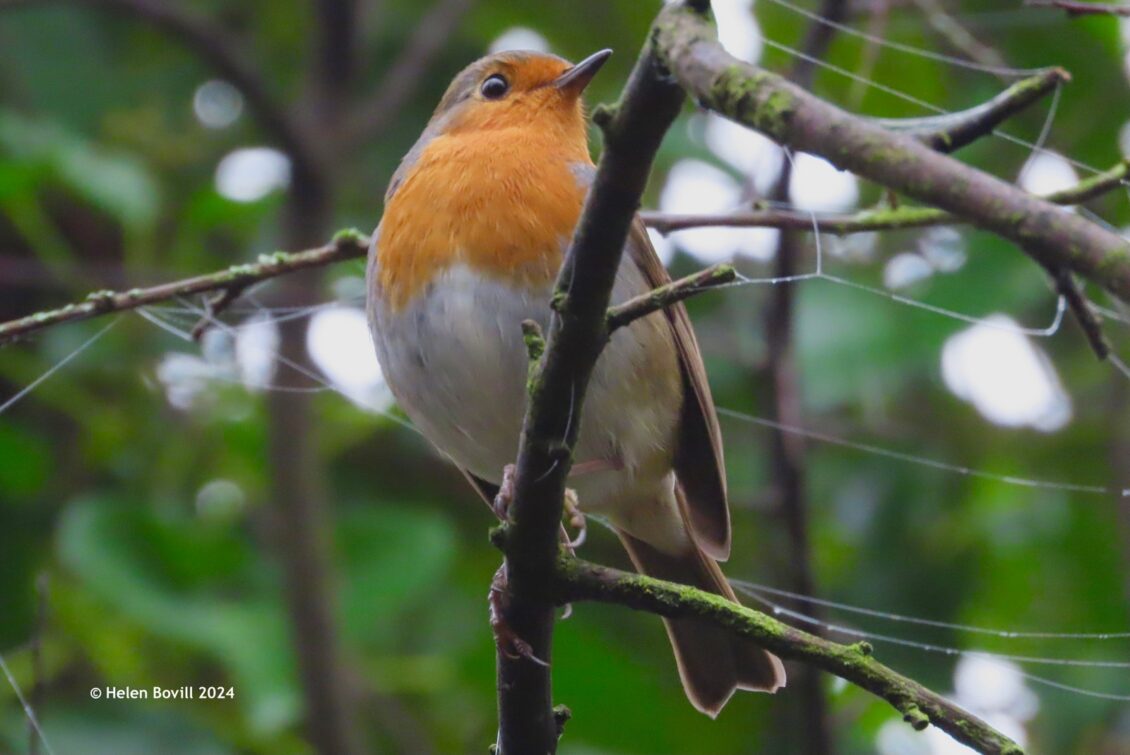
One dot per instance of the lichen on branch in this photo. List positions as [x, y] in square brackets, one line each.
[686, 42]
[578, 580]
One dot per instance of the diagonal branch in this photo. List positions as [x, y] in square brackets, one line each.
[797, 119]
[578, 580]
[403, 77]
[1084, 313]
[960, 38]
[345, 246]
[1076, 8]
[952, 131]
[664, 296]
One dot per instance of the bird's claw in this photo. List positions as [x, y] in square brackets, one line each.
[505, 495]
[507, 641]
[577, 521]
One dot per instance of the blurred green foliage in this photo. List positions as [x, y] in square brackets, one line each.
[106, 180]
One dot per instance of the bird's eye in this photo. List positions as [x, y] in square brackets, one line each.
[495, 87]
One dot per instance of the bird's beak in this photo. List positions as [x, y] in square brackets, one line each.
[574, 80]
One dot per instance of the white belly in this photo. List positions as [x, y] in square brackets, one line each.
[456, 361]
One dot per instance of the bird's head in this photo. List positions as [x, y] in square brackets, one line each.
[517, 88]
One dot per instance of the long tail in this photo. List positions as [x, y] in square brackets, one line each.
[712, 662]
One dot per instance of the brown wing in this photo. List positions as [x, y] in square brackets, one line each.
[698, 455]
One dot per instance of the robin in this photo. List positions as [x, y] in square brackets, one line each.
[476, 223]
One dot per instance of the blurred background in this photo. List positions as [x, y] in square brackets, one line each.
[252, 511]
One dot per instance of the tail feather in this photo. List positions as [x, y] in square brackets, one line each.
[712, 661]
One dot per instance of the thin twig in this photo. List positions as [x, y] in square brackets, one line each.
[578, 581]
[951, 131]
[1087, 318]
[1075, 8]
[864, 221]
[403, 77]
[346, 245]
[878, 16]
[664, 296]
[214, 306]
[958, 36]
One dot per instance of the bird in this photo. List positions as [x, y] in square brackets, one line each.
[477, 219]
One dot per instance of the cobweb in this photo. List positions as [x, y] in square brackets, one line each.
[177, 319]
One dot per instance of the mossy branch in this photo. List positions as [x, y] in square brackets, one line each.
[795, 118]
[664, 296]
[871, 220]
[346, 245]
[577, 580]
[952, 131]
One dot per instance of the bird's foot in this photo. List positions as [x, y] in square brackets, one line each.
[505, 495]
[507, 641]
[576, 519]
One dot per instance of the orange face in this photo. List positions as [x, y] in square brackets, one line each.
[494, 183]
[517, 91]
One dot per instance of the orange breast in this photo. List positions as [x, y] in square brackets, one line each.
[498, 202]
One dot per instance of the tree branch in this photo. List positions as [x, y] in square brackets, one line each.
[952, 131]
[664, 296]
[324, 104]
[633, 130]
[806, 725]
[404, 75]
[1085, 315]
[334, 53]
[958, 37]
[1075, 8]
[577, 580]
[797, 119]
[876, 219]
[345, 246]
